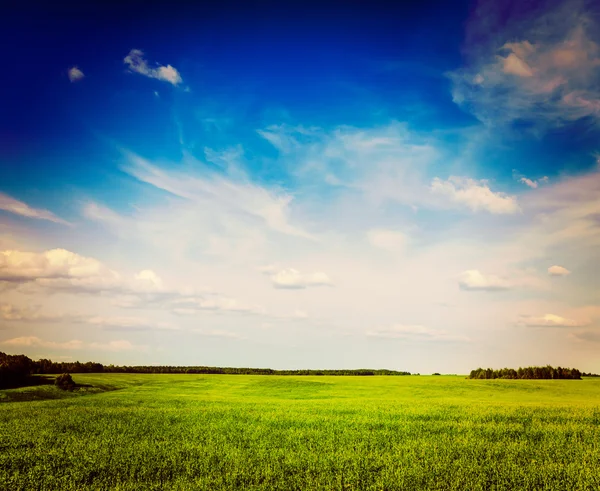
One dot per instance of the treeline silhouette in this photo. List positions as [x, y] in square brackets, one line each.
[529, 373]
[16, 369]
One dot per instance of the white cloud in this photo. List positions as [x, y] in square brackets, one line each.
[390, 240]
[17, 207]
[549, 320]
[75, 74]
[35, 342]
[558, 271]
[474, 280]
[293, 279]
[542, 66]
[216, 333]
[233, 196]
[414, 333]
[529, 182]
[136, 63]
[19, 266]
[476, 195]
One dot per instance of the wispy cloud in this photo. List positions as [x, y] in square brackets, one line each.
[414, 333]
[233, 195]
[35, 314]
[549, 320]
[137, 63]
[12, 205]
[293, 279]
[541, 66]
[74, 344]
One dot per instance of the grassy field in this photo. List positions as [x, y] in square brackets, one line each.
[134, 432]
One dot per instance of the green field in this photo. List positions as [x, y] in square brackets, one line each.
[185, 432]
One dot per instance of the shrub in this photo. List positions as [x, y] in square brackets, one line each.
[65, 382]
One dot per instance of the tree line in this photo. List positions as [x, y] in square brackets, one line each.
[529, 373]
[15, 369]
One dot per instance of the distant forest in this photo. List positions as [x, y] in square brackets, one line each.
[14, 369]
[17, 369]
[539, 373]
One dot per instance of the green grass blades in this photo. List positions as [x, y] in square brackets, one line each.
[185, 432]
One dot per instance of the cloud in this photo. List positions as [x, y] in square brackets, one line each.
[541, 66]
[473, 280]
[586, 336]
[414, 333]
[35, 342]
[60, 264]
[390, 240]
[59, 270]
[212, 303]
[128, 324]
[293, 279]
[549, 320]
[532, 183]
[17, 207]
[475, 195]
[558, 271]
[233, 196]
[216, 333]
[75, 74]
[13, 313]
[9, 312]
[529, 182]
[136, 63]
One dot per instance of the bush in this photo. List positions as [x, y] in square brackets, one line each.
[65, 382]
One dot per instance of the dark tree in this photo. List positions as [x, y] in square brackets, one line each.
[65, 382]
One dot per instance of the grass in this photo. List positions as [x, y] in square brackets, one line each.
[133, 432]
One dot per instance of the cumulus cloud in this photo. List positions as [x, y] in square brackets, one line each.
[35, 342]
[20, 266]
[293, 279]
[59, 270]
[549, 320]
[541, 66]
[414, 333]
[17, 207]
[475, 195]
[137, 63]
[75, 74]
[558, 271]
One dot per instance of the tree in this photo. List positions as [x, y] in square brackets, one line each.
[65, 382]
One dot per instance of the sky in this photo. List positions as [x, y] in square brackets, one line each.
[300, 185]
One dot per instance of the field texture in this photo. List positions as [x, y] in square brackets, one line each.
[135, 432]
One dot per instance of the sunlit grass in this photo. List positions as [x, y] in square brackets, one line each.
[271, 432]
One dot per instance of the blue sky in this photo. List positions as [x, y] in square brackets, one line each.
[342, 185]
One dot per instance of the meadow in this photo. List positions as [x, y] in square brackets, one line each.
[183, 432]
